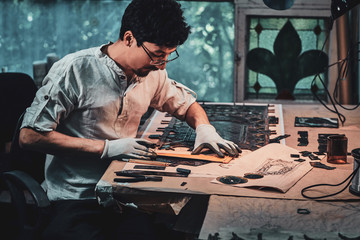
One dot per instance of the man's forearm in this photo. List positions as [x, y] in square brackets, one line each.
[196, 115]
[60, 144]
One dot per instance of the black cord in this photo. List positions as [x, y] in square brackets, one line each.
[351, 176]
[340, 116]
[342, 73]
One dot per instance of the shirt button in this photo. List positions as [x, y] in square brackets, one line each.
[122, 77]
[46, 97]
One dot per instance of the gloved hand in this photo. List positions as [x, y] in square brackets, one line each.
[128, 148]
[207, 137]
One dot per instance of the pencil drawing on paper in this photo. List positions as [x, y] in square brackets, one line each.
[276, 167]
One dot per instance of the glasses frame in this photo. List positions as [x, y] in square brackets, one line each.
[158, 62]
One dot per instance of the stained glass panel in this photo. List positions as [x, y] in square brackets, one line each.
[312, 33]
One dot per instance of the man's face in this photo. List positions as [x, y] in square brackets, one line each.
[150, 57]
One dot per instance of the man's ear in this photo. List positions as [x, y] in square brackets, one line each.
[129, 39]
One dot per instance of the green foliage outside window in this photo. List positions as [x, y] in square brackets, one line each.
[31, 29]
[207, 58]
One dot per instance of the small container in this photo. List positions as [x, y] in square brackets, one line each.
[337, 149]
[355, 183]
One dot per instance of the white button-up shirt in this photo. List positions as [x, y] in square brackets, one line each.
[86, 95]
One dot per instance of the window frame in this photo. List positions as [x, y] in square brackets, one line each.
[301, 8]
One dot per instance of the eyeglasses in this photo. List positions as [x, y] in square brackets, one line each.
[174, 55]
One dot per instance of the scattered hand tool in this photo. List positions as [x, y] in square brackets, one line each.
[303, 140]
[152, 167]
[133, 177]
[321, 165]
[183, 171]
[173, 162]
[278, 138]
[158, 173]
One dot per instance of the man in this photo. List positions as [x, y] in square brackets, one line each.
[88, 111]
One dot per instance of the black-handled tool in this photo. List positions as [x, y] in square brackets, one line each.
[133, 177]
[183, 171]
[157, 173]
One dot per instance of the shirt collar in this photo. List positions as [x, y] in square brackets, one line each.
[112, 64]
[108, 61]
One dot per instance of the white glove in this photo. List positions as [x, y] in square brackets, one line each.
[207, 137]
[128, 148]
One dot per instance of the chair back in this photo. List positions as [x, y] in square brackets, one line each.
[17, 91]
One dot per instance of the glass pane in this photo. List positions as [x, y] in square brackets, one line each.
[263, 32]
[272, 23]
[31, 29]
[267, 39]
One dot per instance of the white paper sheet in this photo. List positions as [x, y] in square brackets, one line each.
[274, 162]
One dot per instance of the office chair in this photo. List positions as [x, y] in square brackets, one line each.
[28, 198]
[25, 169]
[32, 215]
[17, 91]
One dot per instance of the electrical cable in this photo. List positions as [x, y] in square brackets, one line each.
[351, 176]
[343, 71]
[340, 116]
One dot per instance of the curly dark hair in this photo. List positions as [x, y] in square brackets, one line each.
[156, 21]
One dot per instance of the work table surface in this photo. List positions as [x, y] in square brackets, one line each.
[248, 212]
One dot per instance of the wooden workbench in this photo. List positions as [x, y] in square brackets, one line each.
[250, 212]
[278, 219]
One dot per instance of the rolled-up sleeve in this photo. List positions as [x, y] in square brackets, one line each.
[52, 102]
[173, 97]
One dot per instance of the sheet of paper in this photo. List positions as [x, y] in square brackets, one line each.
[280, 171]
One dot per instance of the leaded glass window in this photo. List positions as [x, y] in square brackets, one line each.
[263, 32]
